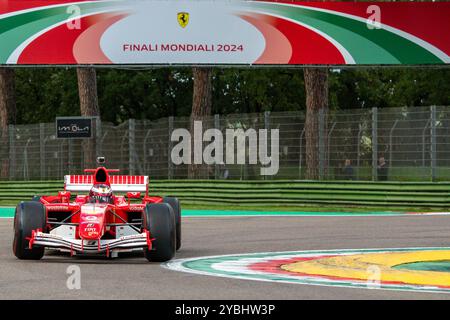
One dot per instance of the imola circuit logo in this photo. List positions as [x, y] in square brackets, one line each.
[183, 19]
[73, 128]
[76, 127]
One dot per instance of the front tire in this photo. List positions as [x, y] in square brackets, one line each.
[29, 216]
[175, 204]
[159, 220]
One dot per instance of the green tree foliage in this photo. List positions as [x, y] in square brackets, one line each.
[389, 87]
[258, 90]
[45, 93]
[149, 94]
[42, 94]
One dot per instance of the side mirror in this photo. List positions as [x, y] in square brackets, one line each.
[133, 195]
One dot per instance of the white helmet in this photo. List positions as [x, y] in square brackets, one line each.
[100, 193]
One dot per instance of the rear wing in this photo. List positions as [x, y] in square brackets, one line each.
[118, 183]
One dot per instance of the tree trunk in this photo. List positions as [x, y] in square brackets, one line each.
[87, 90]
[7, 115]
[202, 96]
[201, 108]
[316, 86]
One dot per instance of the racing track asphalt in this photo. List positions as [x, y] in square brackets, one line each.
[134, 278]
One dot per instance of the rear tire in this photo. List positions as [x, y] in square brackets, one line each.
[159, 219]
[175, 204]
[29, 216]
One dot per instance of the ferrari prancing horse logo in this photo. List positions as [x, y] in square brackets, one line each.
[183, 19]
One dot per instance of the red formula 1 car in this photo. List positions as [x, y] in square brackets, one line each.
[100, 222]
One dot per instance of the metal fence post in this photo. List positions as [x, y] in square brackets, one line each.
[217, 165]
[374, 143]
[131, 145]
[26, 170]
[267, 120]
[267, 127]
[42, 149]
[169, 150]
[300, 156]
[321, 143]
[123, 141]
[433, 142]
[391, 132]
[358, 151]
[423, 141]
[329, 149]
[70, 155]
[98, 136]
[12, 152]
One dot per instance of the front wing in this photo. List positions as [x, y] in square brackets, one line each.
[54, 241]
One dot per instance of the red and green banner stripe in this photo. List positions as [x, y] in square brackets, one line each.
[276, 33]
[361, 45]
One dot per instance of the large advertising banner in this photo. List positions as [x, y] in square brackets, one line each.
[155, 32]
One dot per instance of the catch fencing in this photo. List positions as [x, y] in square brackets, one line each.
[414, 141]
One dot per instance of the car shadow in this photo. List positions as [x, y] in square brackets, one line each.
[54, 256]
[135, 258]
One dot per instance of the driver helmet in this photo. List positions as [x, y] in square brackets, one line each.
[100, 193]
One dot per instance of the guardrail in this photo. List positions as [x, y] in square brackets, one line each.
[284, 193]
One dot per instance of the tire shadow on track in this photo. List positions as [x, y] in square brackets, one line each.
[55, 257]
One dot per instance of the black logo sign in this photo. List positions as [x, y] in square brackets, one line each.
[73, 128]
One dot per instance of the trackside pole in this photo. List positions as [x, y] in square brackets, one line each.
[322, 135]
[374, 143]
[433, 142]
[131, 145]
[216, 165]
[98, 137]
[358, 151]
[12, 152]
[269, 137]
[42, 149]
[391, 133]
[169, 149]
